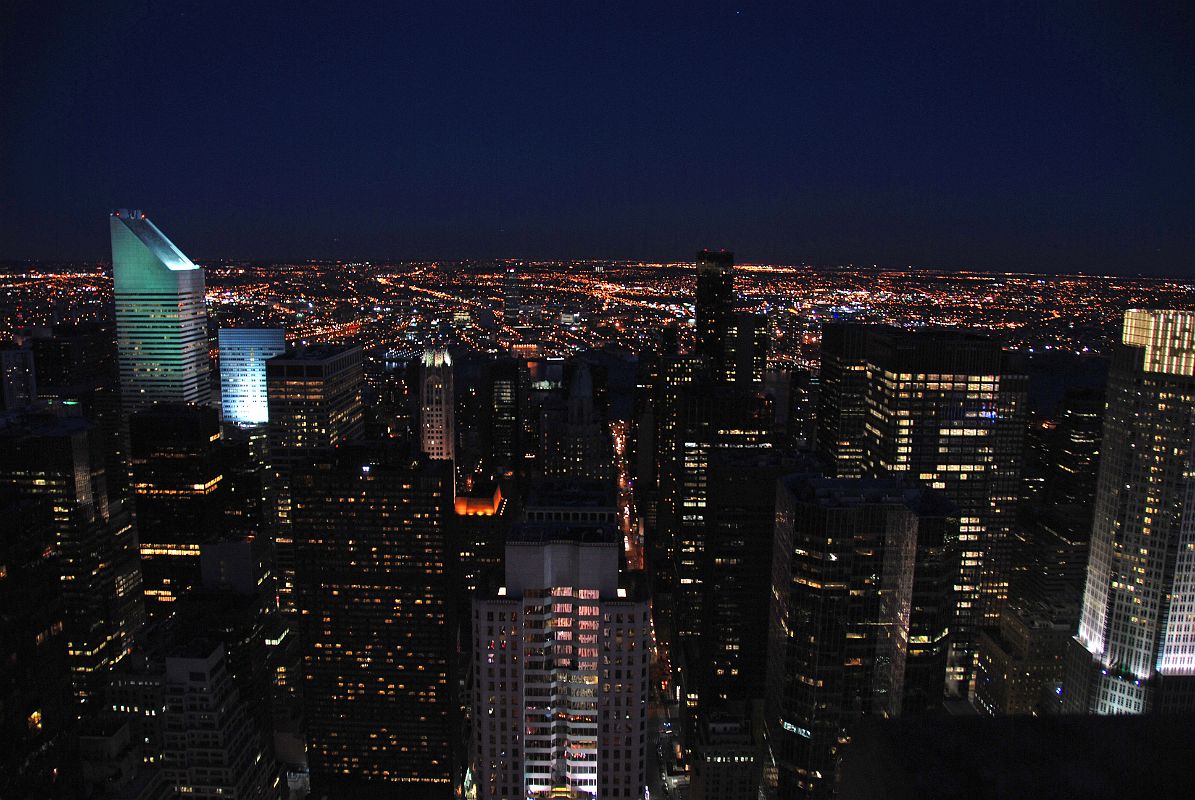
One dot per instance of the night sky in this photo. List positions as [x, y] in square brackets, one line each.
[990, 136]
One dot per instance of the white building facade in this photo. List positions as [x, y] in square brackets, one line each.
[561, 670]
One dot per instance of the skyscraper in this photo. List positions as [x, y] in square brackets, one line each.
[314, 400]
[947, 409]
[715, 301]
[560, 670]
[1135, 649]
[370, 528]
[55, 459]
[711, 420]
[35, 690]
[747, 344]
[161, 316]
[437, 402]
[18, 382]
[851, 562]
[736, 574]
[841, 417]
[511, 297]
[243, 355]
[178, 484]
[211, 748]
[575, 440]
[508, 403]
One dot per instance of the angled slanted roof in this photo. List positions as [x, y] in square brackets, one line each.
[154, 240]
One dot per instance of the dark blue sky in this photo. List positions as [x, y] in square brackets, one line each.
[995, 136]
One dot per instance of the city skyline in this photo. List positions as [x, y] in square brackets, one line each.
[534, 401]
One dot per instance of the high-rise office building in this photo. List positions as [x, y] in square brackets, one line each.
[1135, 649]
[842, 399]
[711, 420]
[560, 658]
[55, 459]
[511, 297]
[437, 403]
[854, 563]
[508, 386]
[35, 689]
[243, 356]
[314, 399]
[575, 440]
[161, 317]
[673, 378]
[370, 531]
[725, 759]
[746, 348]
[947, 409]
[211, 748]
[18, 382]
[72, 361]
[1019, 663]
[715, 302]
[178, 483]
[730, 661]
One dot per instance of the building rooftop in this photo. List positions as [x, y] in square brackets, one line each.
[313, 352]
[574, 532]
[572, 492]
[154, 240]
[839, 492]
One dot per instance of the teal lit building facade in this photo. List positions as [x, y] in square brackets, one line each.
[243, 354]
[161, 319]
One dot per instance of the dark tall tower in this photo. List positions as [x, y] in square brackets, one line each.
[575, 440]
[845, 580]
[178, 481]
[371, 534]
[508, 401]
[35, 689]
[314, 396]
[55, 459]
[1135, 650]
[715, 302]
[737, 575]
[511, 296]
[842, 399]
[18, 381]
[211, 747]
[712, 419]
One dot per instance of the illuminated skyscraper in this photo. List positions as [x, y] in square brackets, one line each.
[511, 296]
[946, 409]
[243, 354]
[437, 402]
[370, 528]
[161, 319]
[1135, 650]
[560, 670]
[314, 396]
